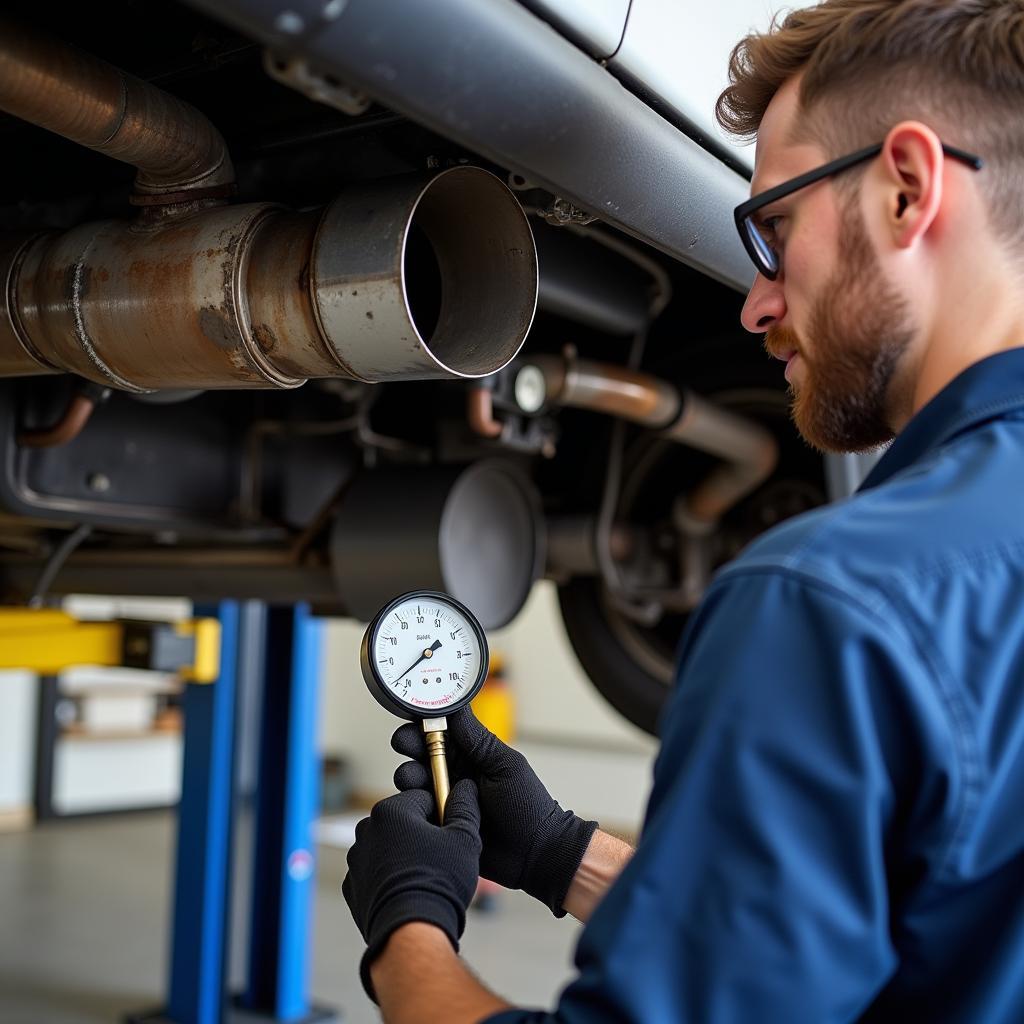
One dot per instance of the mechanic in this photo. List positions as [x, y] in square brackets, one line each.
[835, 831]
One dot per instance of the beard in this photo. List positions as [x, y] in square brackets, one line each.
[860, 328]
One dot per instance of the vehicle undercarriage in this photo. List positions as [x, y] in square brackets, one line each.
[255, 344]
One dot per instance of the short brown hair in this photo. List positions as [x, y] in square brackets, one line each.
[957, 65]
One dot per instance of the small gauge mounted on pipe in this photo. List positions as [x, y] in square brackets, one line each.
[424, 656]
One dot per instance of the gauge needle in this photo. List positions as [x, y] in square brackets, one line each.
[428, 653]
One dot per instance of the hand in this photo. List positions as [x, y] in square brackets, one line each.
[404, 868]
[529, 842]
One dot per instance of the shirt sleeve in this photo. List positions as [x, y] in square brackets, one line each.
[759, 890]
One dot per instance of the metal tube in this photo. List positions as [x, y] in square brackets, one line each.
[608, 388]
[438, 768]
[749, 451]
[66, 429]
[570, 545]
[407, 279]
[480, 412]
[175, 148]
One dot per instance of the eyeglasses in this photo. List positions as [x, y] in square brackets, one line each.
[756, 237]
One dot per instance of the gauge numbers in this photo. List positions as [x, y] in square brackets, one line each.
[427, 654]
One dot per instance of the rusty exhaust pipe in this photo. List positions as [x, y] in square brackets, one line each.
[749, 452]
[403, 280]
[81, 97]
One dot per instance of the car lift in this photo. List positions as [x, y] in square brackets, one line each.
[47, 641]
[276, 650]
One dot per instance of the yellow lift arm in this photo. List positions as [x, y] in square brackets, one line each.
[47, 641]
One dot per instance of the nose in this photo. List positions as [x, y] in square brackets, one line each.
[765, 305]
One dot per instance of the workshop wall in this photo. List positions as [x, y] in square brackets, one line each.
[591, 758]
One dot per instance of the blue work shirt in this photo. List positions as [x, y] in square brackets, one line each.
[836, 827]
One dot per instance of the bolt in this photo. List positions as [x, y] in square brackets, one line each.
[98, 482]
[433, 162]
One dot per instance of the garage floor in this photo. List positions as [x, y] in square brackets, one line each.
[84, 928]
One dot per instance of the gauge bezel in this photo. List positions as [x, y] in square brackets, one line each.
[383, 694]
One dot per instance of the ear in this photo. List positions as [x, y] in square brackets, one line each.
[912, 161]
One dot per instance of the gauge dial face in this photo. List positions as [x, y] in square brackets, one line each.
[428, 654]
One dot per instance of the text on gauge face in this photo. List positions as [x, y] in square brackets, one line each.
[427, 654]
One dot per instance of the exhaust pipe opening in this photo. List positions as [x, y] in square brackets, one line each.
[415, 280]
[469, 258]
[423, 281]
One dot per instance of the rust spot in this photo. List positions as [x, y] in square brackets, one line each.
[369, 315]
[355, 291]
[265, 338]
[218, 327]
[102, 274]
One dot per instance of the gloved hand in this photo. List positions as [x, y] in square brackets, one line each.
[529, 842]
[405, 868]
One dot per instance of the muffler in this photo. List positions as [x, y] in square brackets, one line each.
[403, 280]
[477, 533]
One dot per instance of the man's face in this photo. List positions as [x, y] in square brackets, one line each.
[831, 308]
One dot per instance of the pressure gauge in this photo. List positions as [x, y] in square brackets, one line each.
[424, 656]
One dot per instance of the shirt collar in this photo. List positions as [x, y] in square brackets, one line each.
[983, 391]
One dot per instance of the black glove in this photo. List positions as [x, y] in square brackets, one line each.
[404, 868]
[530, 843]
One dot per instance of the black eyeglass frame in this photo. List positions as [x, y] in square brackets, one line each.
[764, 257]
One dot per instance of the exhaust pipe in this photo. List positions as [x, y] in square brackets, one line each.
[88, 101]
[403, 280]
[749, 452]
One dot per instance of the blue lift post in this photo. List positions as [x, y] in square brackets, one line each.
[287, 799]
[203, 881]
[202, 884]
[286, 805]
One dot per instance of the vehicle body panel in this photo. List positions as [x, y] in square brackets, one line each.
[680, 53]
[508, 86]
[597, 25]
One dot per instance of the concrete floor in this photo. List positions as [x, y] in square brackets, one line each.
[85, 917]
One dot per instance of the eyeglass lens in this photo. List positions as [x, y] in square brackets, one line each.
[763, 254]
